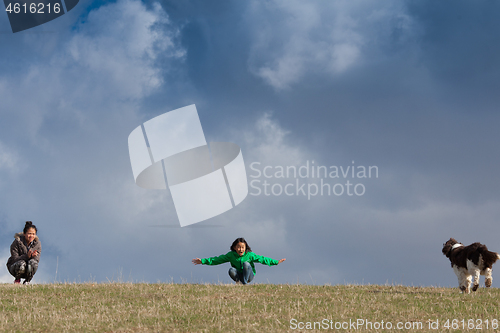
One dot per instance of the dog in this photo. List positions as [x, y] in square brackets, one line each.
[470, 261]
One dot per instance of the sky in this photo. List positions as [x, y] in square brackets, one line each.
[407, 88]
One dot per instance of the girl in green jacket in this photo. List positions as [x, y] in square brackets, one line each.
[241, 258]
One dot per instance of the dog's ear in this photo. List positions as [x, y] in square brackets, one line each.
[447, 248]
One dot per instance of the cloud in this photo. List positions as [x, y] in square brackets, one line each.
[354, 82]
[117, 55]
[268, 142]
[8, 158]
[294, 38]
[120, 43]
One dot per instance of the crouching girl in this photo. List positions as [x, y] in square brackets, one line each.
[24, 254]
[241, 258]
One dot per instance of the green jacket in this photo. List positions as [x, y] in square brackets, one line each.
[237, 261]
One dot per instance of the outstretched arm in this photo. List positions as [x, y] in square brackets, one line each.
[265, 260]
[212, 260]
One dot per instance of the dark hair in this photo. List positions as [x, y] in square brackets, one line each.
[241, 240]
[28, 226]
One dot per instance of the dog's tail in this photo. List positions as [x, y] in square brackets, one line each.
[489, 258]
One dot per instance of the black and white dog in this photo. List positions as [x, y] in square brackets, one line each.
[470, 261]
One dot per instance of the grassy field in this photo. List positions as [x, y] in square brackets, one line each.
[128, 307]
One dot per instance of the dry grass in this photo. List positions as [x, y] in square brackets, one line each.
[127, 307]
